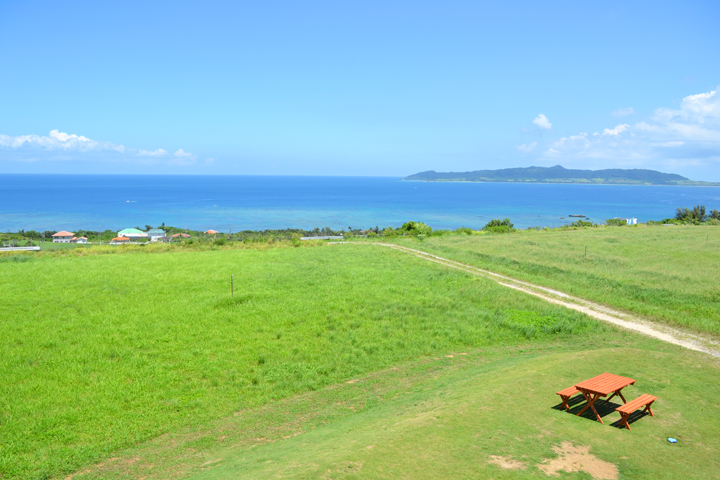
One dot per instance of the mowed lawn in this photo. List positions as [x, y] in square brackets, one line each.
[100, 353]
[460, 421]
[666, 273]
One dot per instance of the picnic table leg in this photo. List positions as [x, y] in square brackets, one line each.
[648, 409]
[593, 409]
[617, 392]
[624, 421]
[591, 400]
[587, 399]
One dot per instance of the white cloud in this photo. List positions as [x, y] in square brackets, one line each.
[56, 140]
[617, 130]
[64, 137]
[542, 122]
[623, 112]
[526, 147]
[689, 135]
[152, 153]
[181, 153]
[62, 146]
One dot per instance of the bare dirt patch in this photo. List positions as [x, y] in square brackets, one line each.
[507, 462]
[578, 459]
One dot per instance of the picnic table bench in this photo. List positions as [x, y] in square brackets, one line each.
[565, 395]
[602, 386]
[643, 400]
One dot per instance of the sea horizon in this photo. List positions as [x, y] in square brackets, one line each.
[259, 202]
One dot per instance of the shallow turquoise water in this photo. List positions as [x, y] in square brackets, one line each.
[55, 202]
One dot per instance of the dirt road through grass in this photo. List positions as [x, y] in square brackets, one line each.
[601, 312]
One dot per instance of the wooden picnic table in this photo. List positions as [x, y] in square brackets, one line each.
[602, 386]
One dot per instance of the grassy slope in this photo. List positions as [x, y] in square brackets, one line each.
[450, 425]
[666, 273]
[102, 352]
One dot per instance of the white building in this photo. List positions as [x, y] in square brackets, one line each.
[63, 237]
[155, 234]
[133, 234]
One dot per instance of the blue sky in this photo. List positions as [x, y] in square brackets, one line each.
[358, 88]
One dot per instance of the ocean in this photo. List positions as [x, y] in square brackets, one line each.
[70, 202]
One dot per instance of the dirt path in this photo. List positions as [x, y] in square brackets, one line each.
[595, 310]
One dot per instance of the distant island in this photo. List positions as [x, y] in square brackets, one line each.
[558, 174]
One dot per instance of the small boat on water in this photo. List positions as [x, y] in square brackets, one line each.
[576, 216]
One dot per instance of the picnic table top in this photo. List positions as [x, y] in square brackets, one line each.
[604, 384]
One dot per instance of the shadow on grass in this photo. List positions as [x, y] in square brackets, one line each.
[603, 407]
[577, 403]
[634, 417]
[571, 403]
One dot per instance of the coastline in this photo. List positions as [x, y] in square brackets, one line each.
[536, 182]
[267, 202]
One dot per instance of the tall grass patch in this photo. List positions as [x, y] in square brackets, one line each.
[665, 273]
[102, 352]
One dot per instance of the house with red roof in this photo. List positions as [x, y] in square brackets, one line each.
[118, 240]
[63, 237]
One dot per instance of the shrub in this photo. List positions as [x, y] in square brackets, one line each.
[499, 226]
[580, 223]
[499, 223]
[696, 215]
[500, 229]
[615, 222]
[416, 228]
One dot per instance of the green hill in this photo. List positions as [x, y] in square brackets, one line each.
[352, 361]
[559, 174]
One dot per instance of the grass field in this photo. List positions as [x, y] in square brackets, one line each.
[448, 416]
[101, 352]
[456, 419]
[669, 274]
[330, 362]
